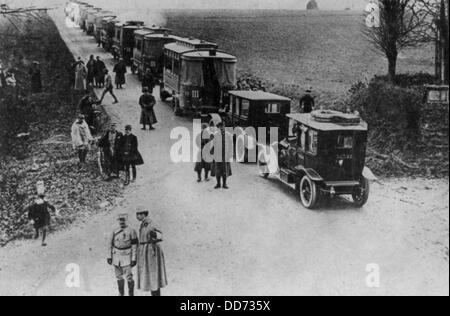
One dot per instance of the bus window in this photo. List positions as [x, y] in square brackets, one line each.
[176, 67]
[273, 108]
[168, 63]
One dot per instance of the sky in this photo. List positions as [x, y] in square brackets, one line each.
[204, 4]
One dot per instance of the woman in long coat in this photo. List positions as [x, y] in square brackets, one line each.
[151, 267]
[147, 103]
[120, 69]
[80, 76]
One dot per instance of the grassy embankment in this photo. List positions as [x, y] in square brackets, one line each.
[44, 152]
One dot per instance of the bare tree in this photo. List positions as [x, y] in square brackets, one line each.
[15, 16]
[439, 9]
[403, 24]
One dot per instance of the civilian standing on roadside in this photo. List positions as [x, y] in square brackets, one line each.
[120, 69]
[147, 102]
[80, 76]
[91, 66]
[201, 164]
[99, 73]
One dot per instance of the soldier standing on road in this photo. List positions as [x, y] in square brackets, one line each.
[307, 102]
[109, 88]
[147, 102]
[122, 254]
[151, 267]
[130, 155]
[223, 155]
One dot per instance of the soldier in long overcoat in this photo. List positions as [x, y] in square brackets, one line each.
[122, 247]
[150, 257]
[223, 155]
[147, 102]
[120, 69]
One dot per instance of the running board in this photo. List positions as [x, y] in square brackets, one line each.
[286, 183]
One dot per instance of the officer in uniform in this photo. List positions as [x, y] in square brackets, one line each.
[122, 254]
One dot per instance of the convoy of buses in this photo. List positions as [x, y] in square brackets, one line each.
[317, 154]
[194, 73]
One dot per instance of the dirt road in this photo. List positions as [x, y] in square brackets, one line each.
[254, 239]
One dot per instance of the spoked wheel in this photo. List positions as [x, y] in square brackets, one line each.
[308, 193]
[360, 193]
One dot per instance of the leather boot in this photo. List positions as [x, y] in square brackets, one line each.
[121, 286]
[131, 288]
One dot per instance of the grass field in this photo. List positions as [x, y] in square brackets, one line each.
[325, 50]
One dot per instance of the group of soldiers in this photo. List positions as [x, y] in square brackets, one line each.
[129, 249]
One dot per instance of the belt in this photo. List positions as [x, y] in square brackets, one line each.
[126, 248]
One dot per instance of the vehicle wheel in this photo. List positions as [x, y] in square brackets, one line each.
[360, 194]
[308, 193]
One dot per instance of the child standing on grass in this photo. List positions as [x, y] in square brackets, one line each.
[39, 215]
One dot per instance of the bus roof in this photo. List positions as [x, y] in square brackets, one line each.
[159, 35]
[308, 120]
[259, 96]
[208, 54]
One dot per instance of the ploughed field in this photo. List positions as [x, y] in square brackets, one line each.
[325, 50]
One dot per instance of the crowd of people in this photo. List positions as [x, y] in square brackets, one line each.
[95, 74]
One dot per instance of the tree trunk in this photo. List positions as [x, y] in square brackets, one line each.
[392, 60]
[444, 26]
